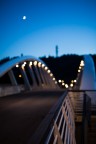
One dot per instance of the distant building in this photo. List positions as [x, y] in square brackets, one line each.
[56, 49]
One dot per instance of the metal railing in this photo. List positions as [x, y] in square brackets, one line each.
[63, 130]
[84, 105]
[58, 127]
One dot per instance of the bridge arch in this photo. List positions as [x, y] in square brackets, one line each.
[86, 80]
[40, 74]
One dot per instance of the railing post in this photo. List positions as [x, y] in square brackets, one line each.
[85, 121]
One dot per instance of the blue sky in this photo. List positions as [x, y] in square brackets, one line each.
[70, 24]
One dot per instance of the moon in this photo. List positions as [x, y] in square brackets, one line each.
[24, 17]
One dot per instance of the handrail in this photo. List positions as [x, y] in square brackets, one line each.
[47, 122]
[86, 117]
[58, 125]
[81, 101]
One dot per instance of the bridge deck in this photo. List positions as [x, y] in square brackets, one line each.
[20, 115]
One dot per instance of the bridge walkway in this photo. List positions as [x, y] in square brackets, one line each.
[21, 114]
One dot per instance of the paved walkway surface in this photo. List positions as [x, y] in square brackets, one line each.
[20, 115]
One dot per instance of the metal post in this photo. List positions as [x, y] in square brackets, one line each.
[26, 81]
[42, 75]
[38, 75]
[12, 78]
[85, 121]
[32, 76]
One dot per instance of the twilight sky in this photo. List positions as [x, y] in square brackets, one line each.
[70, 24]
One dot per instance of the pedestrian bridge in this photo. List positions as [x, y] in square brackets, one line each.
[72, 119]
[25, 73]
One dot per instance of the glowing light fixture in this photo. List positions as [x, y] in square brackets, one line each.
[17, 65]
[35, 63]
[51, 74]
[25, 63]
[78, 71]
[43, 65]
[48, 71]
[80, 67]
[63, 84]
[82, 63]
[71, 85]
[66, 85]
[59, 81]
[53, 78]
[75, 81]
[39, 64]
[46, 68]
[72, 81]
[20, 75]
[30, 64]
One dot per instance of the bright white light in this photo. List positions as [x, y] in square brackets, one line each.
[71, 85]
[63, 84]
[30, 64]
[59, 81]
[51, 74]
[53, 78]
[46, 68]
[78, 70]
[17, 65]
[43, 65]
[75, 81]
[66, 85]
[24, 63]
[35, 63]
[24, 17]
[80, 67]
[20, 75]
[48, 71]
[39, 64]
[82, 63]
